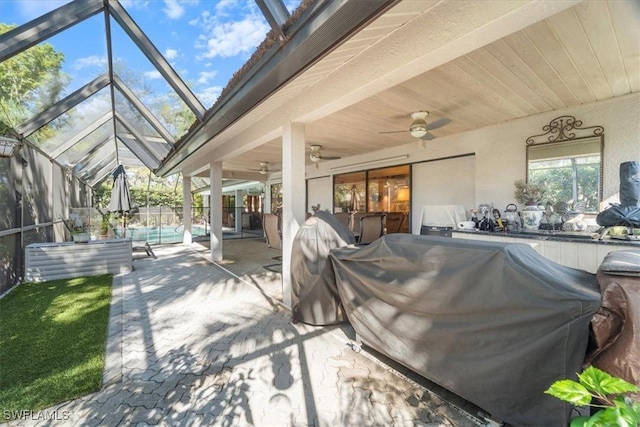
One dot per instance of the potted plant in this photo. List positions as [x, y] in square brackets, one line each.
[615, 408]
[527, 193]
[531, 196]
[77, 228]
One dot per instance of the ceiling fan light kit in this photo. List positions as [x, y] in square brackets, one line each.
[420, 128]
[315, 155]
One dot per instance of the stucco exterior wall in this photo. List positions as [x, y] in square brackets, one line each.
[500, 150]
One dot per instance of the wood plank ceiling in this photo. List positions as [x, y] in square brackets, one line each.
[587, 53]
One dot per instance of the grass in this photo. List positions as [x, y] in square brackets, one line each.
[52, 341]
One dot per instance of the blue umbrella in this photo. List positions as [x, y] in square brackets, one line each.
[120, 197]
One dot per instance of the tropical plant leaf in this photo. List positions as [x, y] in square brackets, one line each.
[614, 416]
[592, 379]
[601, 382]
[629, 409]
[617, 386]
[570, 391]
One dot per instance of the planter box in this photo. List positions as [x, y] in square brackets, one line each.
[50, 261]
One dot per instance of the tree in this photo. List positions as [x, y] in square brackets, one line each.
[30, 82]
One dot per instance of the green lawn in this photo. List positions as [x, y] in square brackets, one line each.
[52, 341]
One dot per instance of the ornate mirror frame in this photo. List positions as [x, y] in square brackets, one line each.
[568, 131]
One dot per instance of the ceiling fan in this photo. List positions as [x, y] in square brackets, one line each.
[264, 168]
[316, 156]
[420, 128]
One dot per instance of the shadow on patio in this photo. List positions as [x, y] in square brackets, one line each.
[190, 343]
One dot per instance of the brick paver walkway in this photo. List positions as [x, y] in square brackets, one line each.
[191, 344]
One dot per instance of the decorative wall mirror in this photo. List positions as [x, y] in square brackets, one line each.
[566, 161]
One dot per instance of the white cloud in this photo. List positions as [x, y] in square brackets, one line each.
[208, 96]
[205, 76]
[134, 4]
[32, 9]
[89, 61]
[233, 38]
[152, 75]
[171, 54]
[173, 9]
[223, 5]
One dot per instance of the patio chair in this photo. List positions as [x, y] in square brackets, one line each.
[344, 218]
[271, 232]
[393, 222]
[371, 228]
[274, 240]
[142, 246]
[136, 245]
[355, 220]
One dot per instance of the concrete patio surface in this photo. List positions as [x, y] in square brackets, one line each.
[193, 343]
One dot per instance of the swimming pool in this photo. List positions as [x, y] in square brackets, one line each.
[163, 234]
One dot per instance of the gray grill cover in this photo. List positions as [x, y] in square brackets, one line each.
[494, 323]
[315, 296]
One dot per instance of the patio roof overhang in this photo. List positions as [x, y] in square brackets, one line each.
[322, 26]
[477, 63]
[346, 70]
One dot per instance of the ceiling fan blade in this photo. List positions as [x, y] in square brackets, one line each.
[428, 137]
[394, 131]
[438, 123]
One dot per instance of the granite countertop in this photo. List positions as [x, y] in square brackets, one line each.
[563, 236]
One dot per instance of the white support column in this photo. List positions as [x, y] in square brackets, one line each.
[238, 211]
[293, 200]
[187, 237]
[215, 178]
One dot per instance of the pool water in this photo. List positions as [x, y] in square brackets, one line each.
[164, 234]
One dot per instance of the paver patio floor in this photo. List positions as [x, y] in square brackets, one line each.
[193, 343]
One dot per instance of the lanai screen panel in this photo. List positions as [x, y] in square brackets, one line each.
[147, 84]
[83, 147]
[81, 59]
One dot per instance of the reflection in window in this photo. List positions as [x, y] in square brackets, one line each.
[569, 171]
[276, 198]
[566, 160]
[378, 190]
[389, 189]
[349, 192]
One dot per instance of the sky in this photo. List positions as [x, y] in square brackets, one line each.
[205, 41]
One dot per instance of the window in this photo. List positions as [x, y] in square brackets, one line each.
[349, 192]
[276, 198]
[377, 190]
